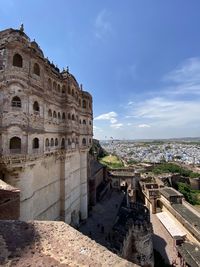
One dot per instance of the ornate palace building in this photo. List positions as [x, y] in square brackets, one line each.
[45, 132]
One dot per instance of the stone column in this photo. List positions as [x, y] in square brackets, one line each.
[84, 185]
[62, 188]
[153, 204]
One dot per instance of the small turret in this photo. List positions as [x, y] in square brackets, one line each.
[21, 28]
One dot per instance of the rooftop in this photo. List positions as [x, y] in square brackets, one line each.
[171, 226]
[170, 192]
[124, 173]
[191, 253]
[188, 215]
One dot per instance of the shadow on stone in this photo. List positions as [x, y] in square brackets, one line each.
[159, 245]
[15, 236]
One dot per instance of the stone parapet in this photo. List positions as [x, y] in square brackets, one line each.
[9, 202]
[52, 244]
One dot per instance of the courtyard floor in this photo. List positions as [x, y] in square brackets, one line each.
[102, 217]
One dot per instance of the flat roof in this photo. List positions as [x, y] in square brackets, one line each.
[188, 215]
[171, 226]
[191, 253]
[122, 173]
[170, 192]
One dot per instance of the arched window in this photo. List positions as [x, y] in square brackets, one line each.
[84, 121]
[73, 117]
[15, 145]
[36, 69]
[17, 61]
[35, 143]
[84, 142]
[16, 102]
[49, 84]
[90, 140]
[69, 116]
[76, 95]
[54, 114]
[52, 142]
[76, 117]
[69, 142]
[90, 123]
[49, 113]
[36, 106]
[84, 104]
[47, 142]
[69, 90]
[54, 85]
[63, 89]
[80, 121]
[59, 117]
[58, 88]
[72, 92]
[63, 116]
[56, 142]
[63, 143]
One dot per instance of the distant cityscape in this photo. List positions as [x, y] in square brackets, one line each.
[183, 151]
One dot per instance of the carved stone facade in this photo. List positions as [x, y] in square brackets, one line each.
[46, 131]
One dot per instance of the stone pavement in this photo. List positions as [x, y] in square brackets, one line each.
[103, 217]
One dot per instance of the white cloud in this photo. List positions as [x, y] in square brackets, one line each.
[163, 112]
[185, 79]
[95, 128]
[110, 116]
[143, 126]
[173, 111]
[102, 24]
[117, 125]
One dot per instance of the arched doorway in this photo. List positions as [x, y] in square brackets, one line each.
[15, 145]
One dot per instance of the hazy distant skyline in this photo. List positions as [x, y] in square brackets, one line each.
[139, 59]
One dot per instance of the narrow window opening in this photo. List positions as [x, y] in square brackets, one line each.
[16, 102]
[36, 69]
[35, 143]
[17, 61]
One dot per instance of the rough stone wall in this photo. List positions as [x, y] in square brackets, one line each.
[138, 246]
[45, 131]
[94, 182]
[9, 202]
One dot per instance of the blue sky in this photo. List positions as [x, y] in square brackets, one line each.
[140, 59]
